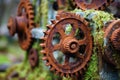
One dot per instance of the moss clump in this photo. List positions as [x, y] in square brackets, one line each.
[97, 20]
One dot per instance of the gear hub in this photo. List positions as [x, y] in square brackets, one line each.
[112, 32]
[76, 45]
[70, 45]
[22, 24]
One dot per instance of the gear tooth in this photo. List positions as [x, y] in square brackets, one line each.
[30, 7]
[47, 64]
[32, 23]
[86, 23]
[58, 17]
[64, 15]
[49, 26]
[43, 51]
[46, 32]
[67, 75]
[76, 74]
[71, 75]
[42, 45]
[29, 4]
[57, 73]
[62, 74]
[31, 12]
[43, 38]
[84, 69]
[80, 71]
[53, 21]
[32, 17]
[52, 69]
[44, 58]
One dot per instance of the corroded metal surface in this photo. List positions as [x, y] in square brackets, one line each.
[92, 4]
[33, 58]
[61, 3]
[115, 38]
[71, 45]
[112, 38]
[22, 24]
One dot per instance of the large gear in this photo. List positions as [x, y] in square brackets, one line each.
[77, 44]
[93, 4]
[23, 23]
[111, 35]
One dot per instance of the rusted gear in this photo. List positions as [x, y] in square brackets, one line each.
[115, 38]
[22, 24]
[93, 4]
[25, 7]
[111, 35]
[33, 58]
[71, 46]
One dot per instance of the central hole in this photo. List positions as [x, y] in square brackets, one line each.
[88, 1]
[73, 45]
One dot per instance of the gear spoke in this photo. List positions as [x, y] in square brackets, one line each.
[62, 33]
[56, 47]
[82, 42]
[79, 55]
[66, 62]
[72, 33]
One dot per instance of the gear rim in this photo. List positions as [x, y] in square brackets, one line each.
[60, 69]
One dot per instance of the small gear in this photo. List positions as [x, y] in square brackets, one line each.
[111, 35]
[75, 44]
[93, 4]
[22, 24]
[33, 57]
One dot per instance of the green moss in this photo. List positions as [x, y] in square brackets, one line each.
[92, 71]
[97, 21]
[4, 59]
